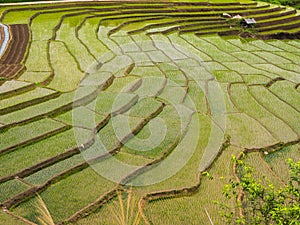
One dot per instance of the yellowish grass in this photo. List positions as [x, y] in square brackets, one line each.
[126, 211]
[44, 217]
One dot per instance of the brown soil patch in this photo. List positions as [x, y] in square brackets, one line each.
[1, 35]
[10, 63]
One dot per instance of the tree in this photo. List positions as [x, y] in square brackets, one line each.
[263, 203]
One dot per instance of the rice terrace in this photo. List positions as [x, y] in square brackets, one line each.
[144, 112]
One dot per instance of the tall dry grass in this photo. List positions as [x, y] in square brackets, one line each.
[43, 215]
[125, 211]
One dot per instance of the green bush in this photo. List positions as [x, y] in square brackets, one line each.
[263, 203]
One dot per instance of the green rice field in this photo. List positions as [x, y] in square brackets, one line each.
[99, 99]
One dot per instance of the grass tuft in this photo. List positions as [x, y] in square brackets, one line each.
[43, 215]
[125, 211]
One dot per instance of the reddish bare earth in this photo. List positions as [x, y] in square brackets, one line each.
[10, 63]
[1, 36]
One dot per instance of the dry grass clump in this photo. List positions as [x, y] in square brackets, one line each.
[125, 211]
[43, 215]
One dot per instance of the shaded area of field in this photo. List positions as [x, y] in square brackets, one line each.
[123, 72]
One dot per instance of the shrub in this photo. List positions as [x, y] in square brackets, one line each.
[263, 204]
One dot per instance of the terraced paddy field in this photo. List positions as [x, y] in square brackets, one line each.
[100, 98]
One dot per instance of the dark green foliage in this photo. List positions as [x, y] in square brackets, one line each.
[283, 2]
[263, 203]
